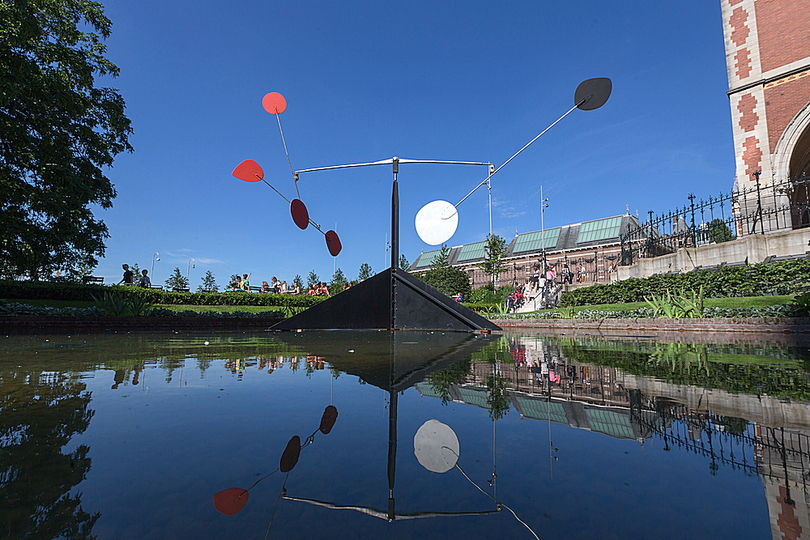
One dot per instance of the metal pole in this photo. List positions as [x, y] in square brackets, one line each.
[395, 217]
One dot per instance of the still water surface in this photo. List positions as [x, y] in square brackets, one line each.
[133, 436]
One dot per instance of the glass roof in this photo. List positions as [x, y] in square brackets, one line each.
[426, 259]
[537, 240]
[599, 229]
[472, 251]
[610, 423]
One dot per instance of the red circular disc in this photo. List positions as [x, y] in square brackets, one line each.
[333, 243]
[274, 103]
[299, 213]
[249, 171]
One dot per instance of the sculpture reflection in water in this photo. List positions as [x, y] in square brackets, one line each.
[232, 500]
[393, 362]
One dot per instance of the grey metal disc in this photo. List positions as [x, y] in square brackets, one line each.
[436, 222]
[436, 446]
[595, 92]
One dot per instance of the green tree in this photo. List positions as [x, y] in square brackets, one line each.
[449, 281]
[338, 281]
[719, 231]
[494, 262]
[209, 284]
[58, 131]
[176, 280]
[297, 279]
[365, 272]
[403, 263]
[312, 278]
[442, 259]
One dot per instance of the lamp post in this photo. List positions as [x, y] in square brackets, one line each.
[191, 264]
[543, 206]
[155, 257]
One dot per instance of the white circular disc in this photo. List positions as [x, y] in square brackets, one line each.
[436, 446]
[436, 222]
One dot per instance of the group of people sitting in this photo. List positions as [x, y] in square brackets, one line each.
[318, 289]
[277, 287]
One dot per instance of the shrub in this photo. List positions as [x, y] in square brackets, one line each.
[783, 278]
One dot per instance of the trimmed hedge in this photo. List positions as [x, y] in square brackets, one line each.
[763, 279]
[40, 290]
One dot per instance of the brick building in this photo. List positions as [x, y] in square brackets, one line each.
[594, 246]
[768, 61]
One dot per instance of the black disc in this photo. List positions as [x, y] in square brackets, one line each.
[593, 93]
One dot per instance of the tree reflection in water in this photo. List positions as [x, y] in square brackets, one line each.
[37, 477]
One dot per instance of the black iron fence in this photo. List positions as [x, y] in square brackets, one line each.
[759, 209]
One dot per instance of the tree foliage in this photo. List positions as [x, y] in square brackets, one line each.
[442, 259]
[57, 132]
[312, 278]
[176, 280]
[403, 263]
[365, 272]
[719, 231]
[494, 262]
[338, 281]
[448, 280]
[209, 284]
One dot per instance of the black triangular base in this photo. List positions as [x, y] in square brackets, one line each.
[391, 300]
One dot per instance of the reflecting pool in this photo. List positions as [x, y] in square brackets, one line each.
[314, 435]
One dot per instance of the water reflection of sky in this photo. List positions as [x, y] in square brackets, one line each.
[130, 436]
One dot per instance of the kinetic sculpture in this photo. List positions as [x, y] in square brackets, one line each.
[394, 299]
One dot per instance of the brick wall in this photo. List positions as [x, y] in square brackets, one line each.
[766, 41]
[784, 32]
[783, 99]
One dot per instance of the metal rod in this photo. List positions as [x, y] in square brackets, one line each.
[390, 161]
[519, 151]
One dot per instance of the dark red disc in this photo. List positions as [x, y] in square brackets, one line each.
[290, 456]
[299, 213]
[249, 171]
[274, 103]
[333, 243]
[328, 419]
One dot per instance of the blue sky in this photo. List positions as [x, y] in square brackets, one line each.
[366, 81]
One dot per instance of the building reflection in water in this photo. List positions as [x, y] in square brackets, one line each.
[755, 434]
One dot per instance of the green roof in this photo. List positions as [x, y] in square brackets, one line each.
[540, 410]
[610, 423]
[472, 251]
[599, 229]
[427, 389]
[537, 240]
[472, 396]
[426, 259]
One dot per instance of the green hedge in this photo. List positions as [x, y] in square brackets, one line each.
[783, 278]
[31, 290]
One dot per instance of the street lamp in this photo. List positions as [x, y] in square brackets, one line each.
[155, 257]
[543, 206]
[191, 264]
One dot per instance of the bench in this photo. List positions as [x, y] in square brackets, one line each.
[92, 279]
[179, 289]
